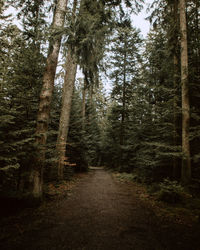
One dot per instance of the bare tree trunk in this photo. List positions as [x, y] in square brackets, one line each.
[176, 170]
[122, 129]
[68, 87]
[123, 98]
[83, 103]
[90, 115]
[45, 99]
[186, 162]
[65, 111]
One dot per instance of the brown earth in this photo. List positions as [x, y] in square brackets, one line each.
[100, 213]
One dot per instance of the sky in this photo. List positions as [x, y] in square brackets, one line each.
[139, 20]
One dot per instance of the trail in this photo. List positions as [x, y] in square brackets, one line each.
[102, 214]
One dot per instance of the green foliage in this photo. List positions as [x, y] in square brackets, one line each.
[8, 174]
[127, 177]
[91, 27]
[21, 75]
[170, 192]
[125, 74]
[77, 138]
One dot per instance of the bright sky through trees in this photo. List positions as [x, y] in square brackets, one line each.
[139, 20]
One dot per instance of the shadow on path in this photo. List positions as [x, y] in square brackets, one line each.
[104, 214]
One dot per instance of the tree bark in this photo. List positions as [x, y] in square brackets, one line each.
[186, 162]
[46, 98]
[68, 87]
[176, 169]
[83, 103]
[90, 114]
[123, 105]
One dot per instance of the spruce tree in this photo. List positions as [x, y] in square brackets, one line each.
[125, 65]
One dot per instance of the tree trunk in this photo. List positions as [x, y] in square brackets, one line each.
[83, 103]
[65, 111]
[46, 97]
[176, 170]
[123, 99]
[68, 87]
[122, 129]
[186, 162]
[90, 114]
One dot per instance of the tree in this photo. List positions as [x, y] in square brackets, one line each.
[186, 162]
[68, 86]
[176, 79]
[46, 97]
[193, 38]
[124, 66]
[22, 74]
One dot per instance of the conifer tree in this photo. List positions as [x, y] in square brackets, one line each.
[68, 86]
[125, 64]
[22, 77]
[193, 37]
[46, 97]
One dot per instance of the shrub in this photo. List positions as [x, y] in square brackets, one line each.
[127, 177]
[153, 188]
[170, 191]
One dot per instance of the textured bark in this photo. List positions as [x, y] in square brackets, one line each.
[46, 97]
[186, 163]
[90, 104]
[176, 167]
[68, 87]
[83, 103]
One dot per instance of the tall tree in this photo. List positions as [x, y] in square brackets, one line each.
[68, 86]
[186, 162]
[46, 97]
[174, 40]
[193, 26]
[124, 72]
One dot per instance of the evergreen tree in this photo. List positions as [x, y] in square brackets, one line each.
[46, 97]
[125, 71]
[20, 90]
[68, 86]
[193, 8]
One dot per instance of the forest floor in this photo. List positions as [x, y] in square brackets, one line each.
[99, 212]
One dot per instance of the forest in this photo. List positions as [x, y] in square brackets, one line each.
[80, 86]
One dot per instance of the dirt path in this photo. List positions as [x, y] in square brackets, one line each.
[104, 214]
